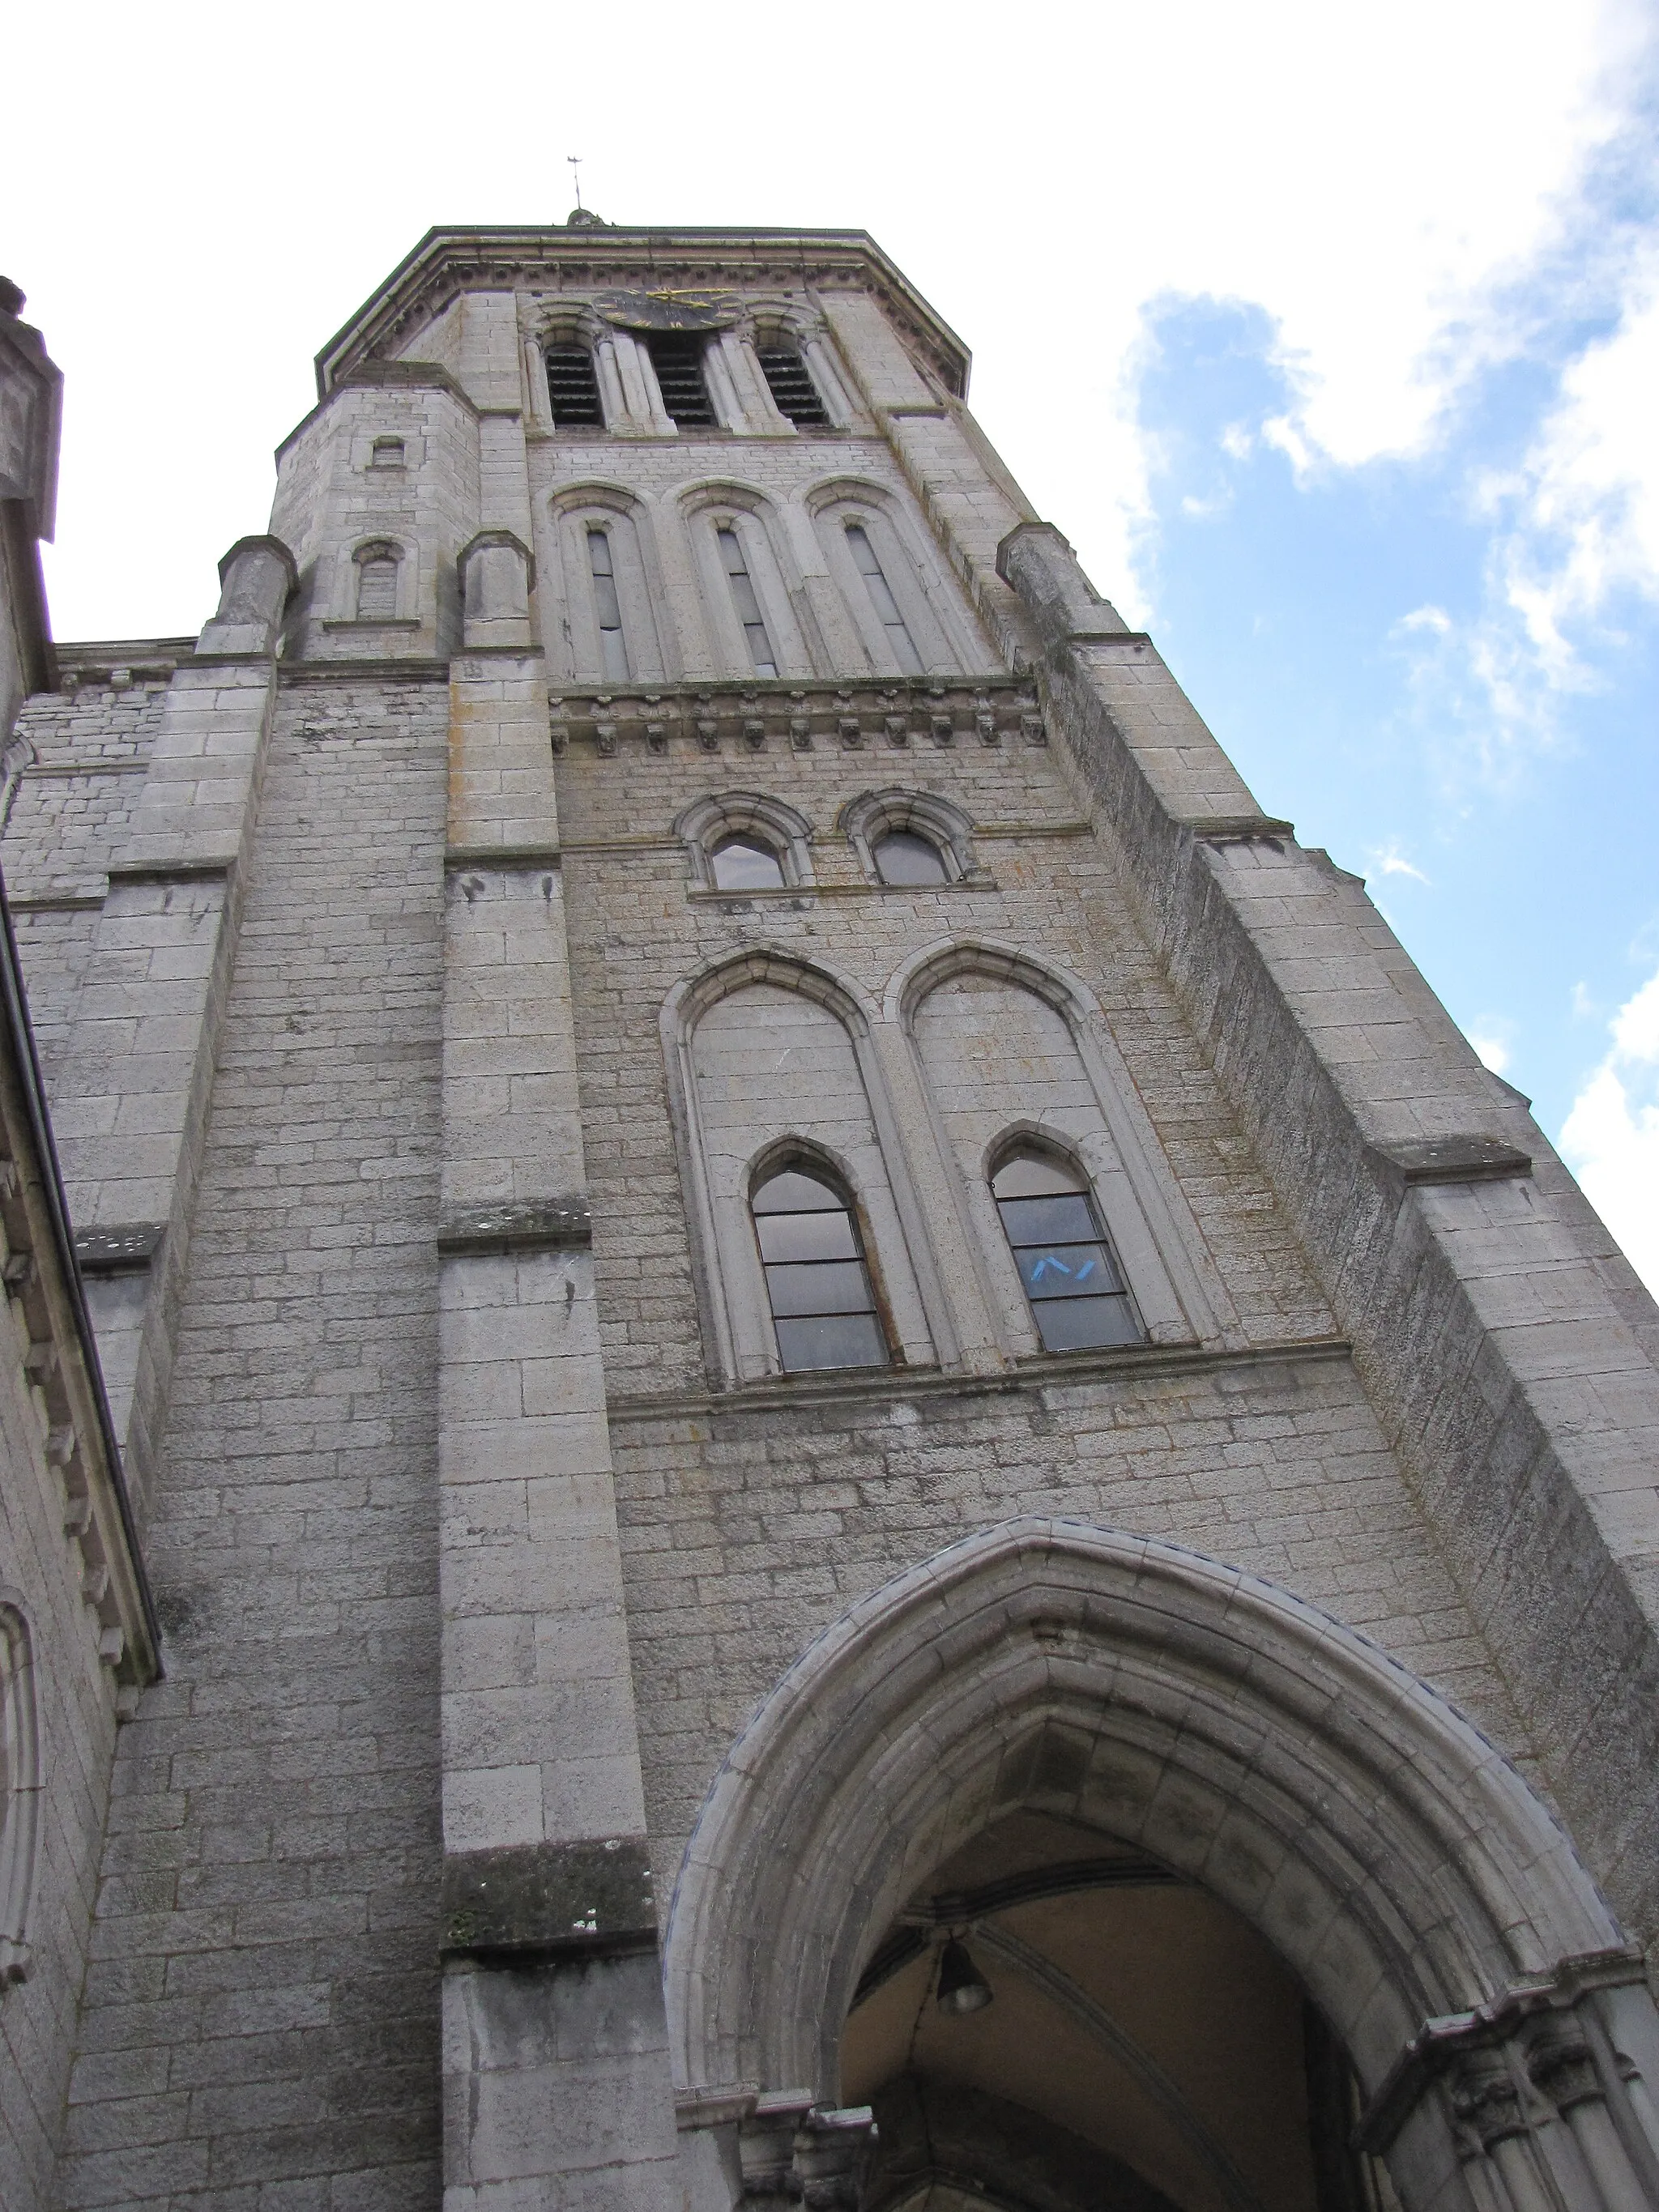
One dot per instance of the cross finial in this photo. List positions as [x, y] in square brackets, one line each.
[575, 161]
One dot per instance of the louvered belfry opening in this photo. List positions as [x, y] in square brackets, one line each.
[676, 356]
[792, 390]
[573, 389]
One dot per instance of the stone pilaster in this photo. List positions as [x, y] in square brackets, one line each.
[555, 2060]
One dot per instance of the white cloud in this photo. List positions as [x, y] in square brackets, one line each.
[1493, 1052]
[1611, 1137]
[1389, 861]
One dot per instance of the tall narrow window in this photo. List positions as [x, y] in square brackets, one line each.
[377, 587]
[881, 597]
[676, 356]
[747, 605]
[1078, 1298]
[790, 380]
[607, 605]
[573, 388]
[823, 1306]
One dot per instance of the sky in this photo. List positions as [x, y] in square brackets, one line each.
[1329, 335]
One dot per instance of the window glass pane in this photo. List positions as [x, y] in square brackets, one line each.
[794, 1192]
[1065, 1271]
[806, 1235]
[1082, 1324]
[606, 606]
[744, 864]
[819, 1286]
[747, 605]
[1034, 1220]
[881, 597]
[902, 857]
[1030, 1174]
[838, 1340]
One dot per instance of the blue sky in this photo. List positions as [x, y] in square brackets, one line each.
[1330, 336]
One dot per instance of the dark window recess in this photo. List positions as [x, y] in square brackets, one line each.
[881, 599]
[823, 1306]
[793, 389]
[747, 605]
[903, 856]
[607, 608]
[573, 389]
[1078, 1298]
[744, 864]
[676, 356]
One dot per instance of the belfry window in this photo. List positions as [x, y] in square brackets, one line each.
[790, 382]
[904, 856]
[676, 356]
[824, 1308]
[607, 605]
[1077, 1297]
[881, 597]
[747, 605]
[573, 388]
[377, 585]
[745, 864]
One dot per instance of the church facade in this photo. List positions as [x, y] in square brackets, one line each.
[874, 1473]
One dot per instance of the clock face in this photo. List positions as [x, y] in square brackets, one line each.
[668, 311]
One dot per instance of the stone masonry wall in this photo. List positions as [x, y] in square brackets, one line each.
[747, 1527]
[261, 2014]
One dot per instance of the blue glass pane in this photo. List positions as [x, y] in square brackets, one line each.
[1081, 1324]
[794, 1192]
[835, 1340]
[1065, 1271]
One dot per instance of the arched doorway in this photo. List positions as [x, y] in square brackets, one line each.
[1378, 1854]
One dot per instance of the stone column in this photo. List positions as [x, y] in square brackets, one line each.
[557, 2080]
[135, 1090]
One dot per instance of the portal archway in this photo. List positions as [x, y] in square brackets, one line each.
[1395, 1861]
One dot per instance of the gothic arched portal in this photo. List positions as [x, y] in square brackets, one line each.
[1395, 1864]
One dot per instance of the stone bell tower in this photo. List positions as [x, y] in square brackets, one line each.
[876, 1473]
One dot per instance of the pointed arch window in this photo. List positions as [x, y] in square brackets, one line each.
[747, 606]
[1078, 1296]
[607, 605]
[904, 646]
[906, 857]
[823, 1304]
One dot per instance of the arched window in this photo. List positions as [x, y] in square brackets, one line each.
[745, 864]
[377, 583]
[607, 607]
[824, 1308]
[573, 388]
[20, 1792]
[790, 382]
[746, 605]
[905, 856]
[1077, 1297]
[902, 645]
[676, 356]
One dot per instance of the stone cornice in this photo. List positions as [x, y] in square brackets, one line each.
[449, 261]
[799, 713]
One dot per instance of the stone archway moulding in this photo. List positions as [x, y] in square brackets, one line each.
[1389, 1853]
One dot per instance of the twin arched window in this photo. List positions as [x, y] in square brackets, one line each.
[823, 1300]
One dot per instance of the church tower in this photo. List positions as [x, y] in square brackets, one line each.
[875, 1472]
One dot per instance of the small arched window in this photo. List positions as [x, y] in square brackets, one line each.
[745, 864]
[377, 584]
[1077, 1297]
[905, 856]
[824, 1307]
[607, 607]
[573, 388]
[790, 382]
